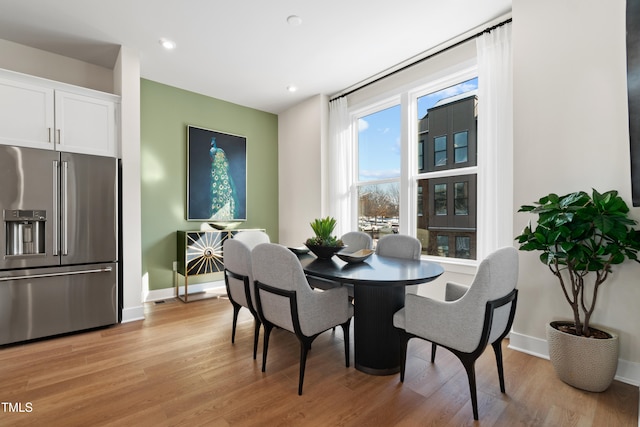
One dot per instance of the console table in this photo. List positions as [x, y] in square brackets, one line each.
[200, 252]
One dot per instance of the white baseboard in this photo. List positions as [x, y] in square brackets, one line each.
[167, 293]
[132, 314]
[627, 372]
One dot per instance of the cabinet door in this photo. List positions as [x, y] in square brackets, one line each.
[26, 115]
[85, 124]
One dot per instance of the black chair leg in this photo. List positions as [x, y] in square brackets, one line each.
[469, 366]
[497, 349]
[403, 359]
[304, 349]
[236, 310]
[433, 352]
[256, 335]
[267, 333]
[345, 330]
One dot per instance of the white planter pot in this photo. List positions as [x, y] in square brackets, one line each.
[585, 363]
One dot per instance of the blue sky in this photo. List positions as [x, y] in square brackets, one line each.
[379, 135]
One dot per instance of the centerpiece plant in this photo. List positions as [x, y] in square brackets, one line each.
[581, 237]
[324, 244]
[323, 229]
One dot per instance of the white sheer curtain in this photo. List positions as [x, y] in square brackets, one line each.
[495, 140]
[341, 161]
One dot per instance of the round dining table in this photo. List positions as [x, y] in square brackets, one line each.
[378, 292]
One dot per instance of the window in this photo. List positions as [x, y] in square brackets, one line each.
[439, 151]
[377, 184]
[446, 187]
[461, 147]
[442, 168]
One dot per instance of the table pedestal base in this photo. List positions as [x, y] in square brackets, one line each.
[378, 348]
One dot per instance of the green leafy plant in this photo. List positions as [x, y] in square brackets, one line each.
[323, 229]
[580, 237]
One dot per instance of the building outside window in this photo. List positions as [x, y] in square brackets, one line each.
[446, 171]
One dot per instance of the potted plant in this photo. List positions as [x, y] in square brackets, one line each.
[581, 238]
[324, 245]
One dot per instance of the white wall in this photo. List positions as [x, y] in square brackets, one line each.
[571, 133]
[36, 62]
[301, 148]
[127, 84]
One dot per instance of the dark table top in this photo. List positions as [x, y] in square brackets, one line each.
[375, 270]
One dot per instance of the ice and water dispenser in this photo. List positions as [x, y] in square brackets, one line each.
[25, 231]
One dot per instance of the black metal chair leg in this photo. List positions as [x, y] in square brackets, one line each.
[433, 352]
[267, 333]
[304, 348]
[256, 335]
[497, 349]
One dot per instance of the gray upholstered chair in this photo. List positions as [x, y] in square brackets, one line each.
[238, 278]
[356, 240]
[285, 300]
[400, 246]
[252, 238]
[469, 318]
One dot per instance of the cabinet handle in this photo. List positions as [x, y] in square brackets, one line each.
[49, 129]
[59, 138]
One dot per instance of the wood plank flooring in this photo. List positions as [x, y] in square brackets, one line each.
[179, 368]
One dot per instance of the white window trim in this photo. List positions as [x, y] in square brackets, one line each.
[407, 97]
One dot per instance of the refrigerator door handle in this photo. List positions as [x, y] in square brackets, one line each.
[65, 208]
[68, 273]
[56, 206]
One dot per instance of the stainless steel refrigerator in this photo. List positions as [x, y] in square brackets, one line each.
[58, 243]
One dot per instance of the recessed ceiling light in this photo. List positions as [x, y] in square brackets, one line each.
[294, 20]
[292, 88]
[168, 44]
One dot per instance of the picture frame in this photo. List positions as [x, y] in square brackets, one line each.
[216, 176]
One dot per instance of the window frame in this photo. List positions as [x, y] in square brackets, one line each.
[407, 96]
[356, 115]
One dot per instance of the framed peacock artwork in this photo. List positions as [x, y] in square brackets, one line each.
[216, 176]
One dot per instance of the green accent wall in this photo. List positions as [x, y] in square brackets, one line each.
[165, 113]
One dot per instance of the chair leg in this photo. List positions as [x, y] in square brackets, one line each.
[469, 366]
[236, 310]
[304, 349]
[403, 359]
[433, 352]
[497, 349]
[267, 333]
[256, 335]
[345, 330]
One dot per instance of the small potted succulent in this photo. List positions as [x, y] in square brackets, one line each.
[324, 244]
[581, 238]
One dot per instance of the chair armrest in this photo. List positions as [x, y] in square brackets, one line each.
[454, 324]
[454, 291]
[322, 310]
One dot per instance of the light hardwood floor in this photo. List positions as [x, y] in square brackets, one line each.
[178, 367]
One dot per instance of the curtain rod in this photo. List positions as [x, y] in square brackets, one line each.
[404, 67]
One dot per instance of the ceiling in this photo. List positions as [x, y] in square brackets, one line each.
[244, 51]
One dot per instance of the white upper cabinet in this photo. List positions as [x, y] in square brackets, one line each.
[40, 113]
[26, 115]
[85, 124]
